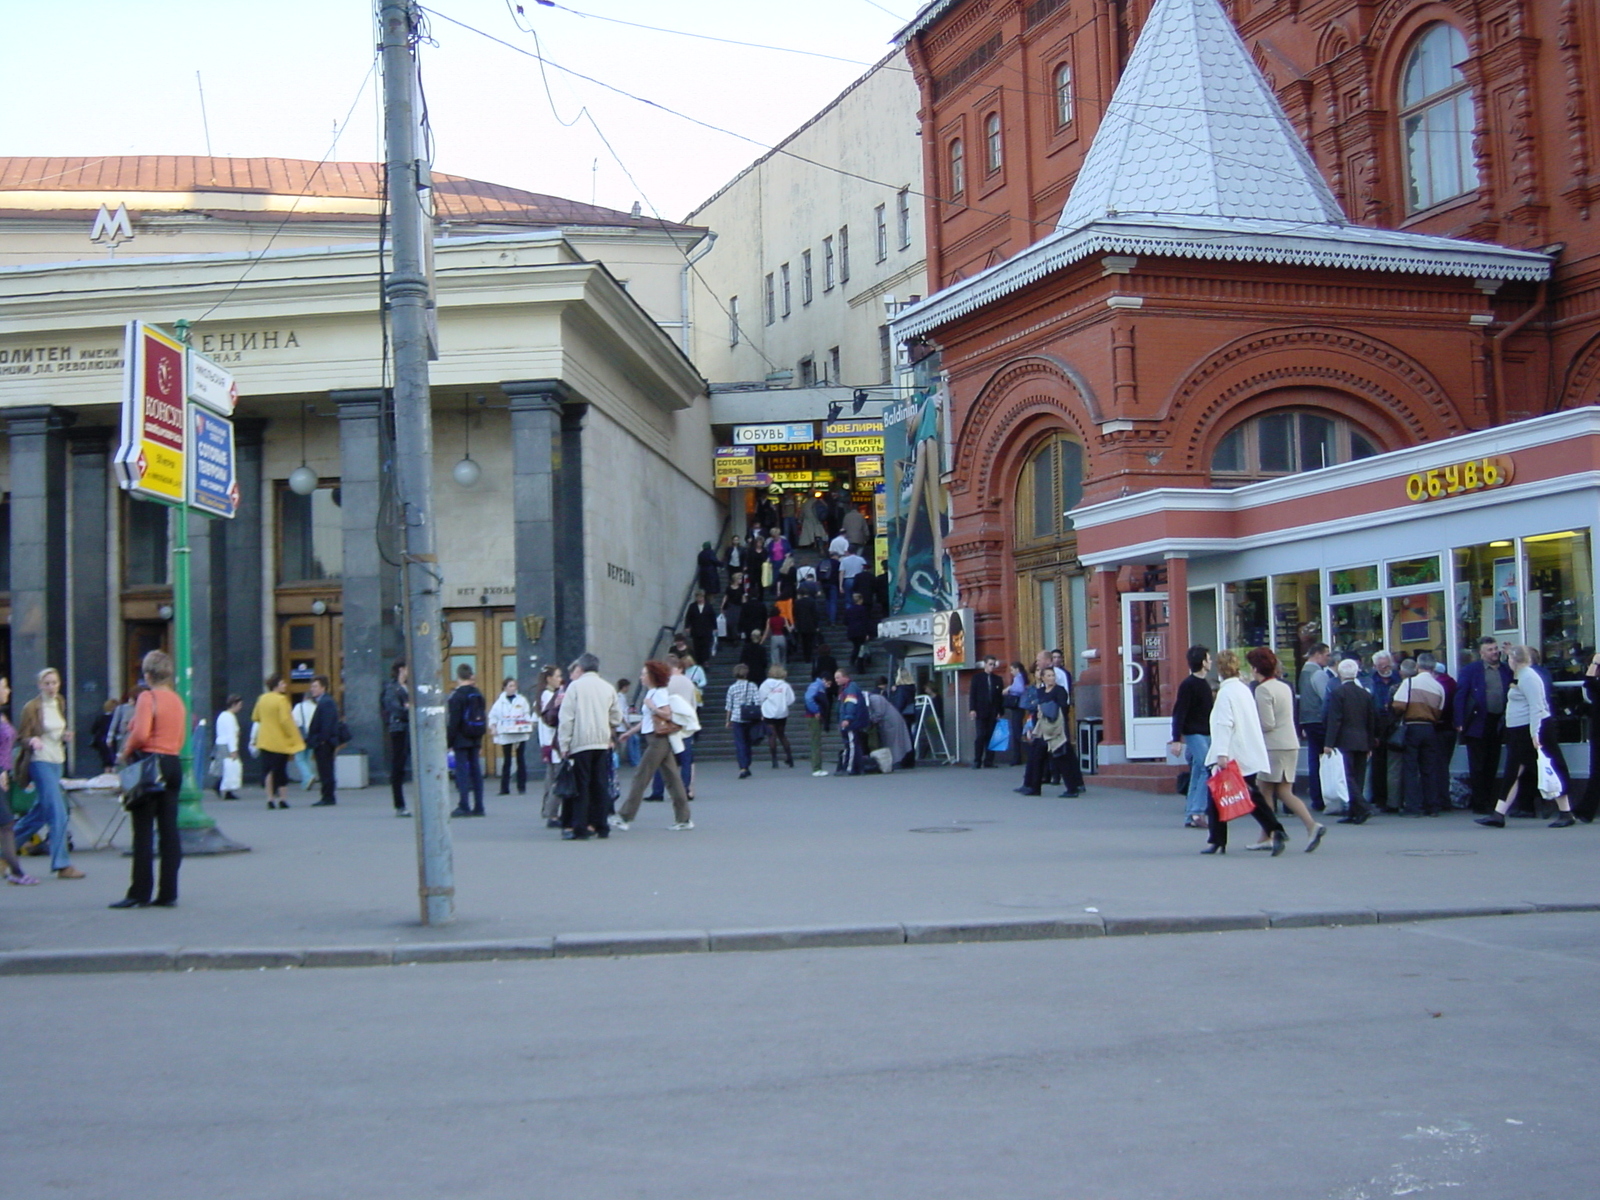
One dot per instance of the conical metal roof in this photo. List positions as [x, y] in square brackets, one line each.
[1194, 130]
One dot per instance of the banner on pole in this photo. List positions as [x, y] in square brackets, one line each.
[152, 459]
[214, 482]
[210, 385]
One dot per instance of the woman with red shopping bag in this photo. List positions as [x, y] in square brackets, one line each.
[1238, 751]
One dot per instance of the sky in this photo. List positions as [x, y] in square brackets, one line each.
[118, 77]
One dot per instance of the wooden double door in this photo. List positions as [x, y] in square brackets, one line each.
[485, 639]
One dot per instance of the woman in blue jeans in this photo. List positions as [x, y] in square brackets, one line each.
[46, 735]
[740, 693]
[1191, 732]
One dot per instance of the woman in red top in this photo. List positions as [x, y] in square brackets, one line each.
[160, 724]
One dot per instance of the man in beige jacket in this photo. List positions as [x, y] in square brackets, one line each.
[590, 716]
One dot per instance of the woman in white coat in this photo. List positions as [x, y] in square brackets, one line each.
[229, 766]
[511, 722]
[1236, 737]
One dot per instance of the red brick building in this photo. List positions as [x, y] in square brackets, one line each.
[1197, 244]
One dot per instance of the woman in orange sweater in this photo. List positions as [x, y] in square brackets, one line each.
[160, 724]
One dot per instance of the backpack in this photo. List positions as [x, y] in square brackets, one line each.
[474, 720]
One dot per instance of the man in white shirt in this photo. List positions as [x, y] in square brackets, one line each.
[840, 546]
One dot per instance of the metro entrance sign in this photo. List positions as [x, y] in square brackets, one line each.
[181, 455]
[151, 461]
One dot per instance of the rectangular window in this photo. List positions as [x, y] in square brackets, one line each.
[835, 375]
[733, 320]
[885, 354]
[772, 302]
[1348, 581]
[1560, 605]
[1044, 497]
[808, 372]
[783, 275]
[903, 216]
[844, 254]
[1414, 572]
[1357, 629]
[1416, 624]
[311, 536]
[144, 560]
[805, 277]
[1296, 618]
[880, 217]
[1246, 615]
[1276, 431]
[827, 264]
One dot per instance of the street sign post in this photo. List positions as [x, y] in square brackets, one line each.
[181, 457]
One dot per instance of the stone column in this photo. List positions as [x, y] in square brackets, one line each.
[239, 586]
[363, 458]
[38, 545]
[572, 618]
[92, 682]
[536, 458]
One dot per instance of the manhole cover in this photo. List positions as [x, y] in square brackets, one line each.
[1431, 853]
[942, 829]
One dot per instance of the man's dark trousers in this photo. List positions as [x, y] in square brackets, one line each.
[323, 752]
[1483, 761]
[591, 771]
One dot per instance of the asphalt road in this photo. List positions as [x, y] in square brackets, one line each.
[1453, 1057]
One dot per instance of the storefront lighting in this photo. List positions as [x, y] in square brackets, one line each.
[1499, 545]
[1550, 537]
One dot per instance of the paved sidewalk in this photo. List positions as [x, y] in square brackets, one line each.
[936, 847]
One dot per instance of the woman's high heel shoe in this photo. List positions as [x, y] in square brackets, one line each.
[1214, 849]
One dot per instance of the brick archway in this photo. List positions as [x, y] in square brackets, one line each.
[1582, 385]
[1382, 389]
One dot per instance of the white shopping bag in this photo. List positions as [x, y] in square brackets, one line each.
[1549, 782]
[1335, 788]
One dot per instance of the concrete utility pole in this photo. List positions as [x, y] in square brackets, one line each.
[406, 295]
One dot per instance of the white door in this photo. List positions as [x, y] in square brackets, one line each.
[1145, 628]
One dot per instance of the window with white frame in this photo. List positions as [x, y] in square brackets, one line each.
[993, 151]
[1436, 119]
[805, 277]
[783, 284]
[828, 266]
[835, 375]
[957, 168]
[733, 320]
[903, 217]
[1062, 89]
[772, 303]
[880, 219]
[1285, 442]
[844, 254]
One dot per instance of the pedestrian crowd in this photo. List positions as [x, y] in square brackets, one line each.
[1378, 740]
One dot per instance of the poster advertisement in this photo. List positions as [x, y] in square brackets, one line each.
[917, 508]
[1507, 603]
[951, 639]
[153, 458]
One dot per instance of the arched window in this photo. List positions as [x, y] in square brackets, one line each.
[1063, 95]
[1436, 119]
[991, 142]
[1052, 589]
[1286, 442]
[958, 168]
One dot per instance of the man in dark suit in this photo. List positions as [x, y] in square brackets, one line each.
[987, 698]
[1480, 719]
[322, 735]
[1350, 721]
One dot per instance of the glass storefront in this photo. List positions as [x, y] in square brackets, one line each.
[1537, 589]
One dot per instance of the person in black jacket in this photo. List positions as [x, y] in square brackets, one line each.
[396, 704]
[754, 656]
[1191, 733]
[987, 699]
[858, 625]
[701, 622]
[322, 736]
[1350, 721]
[466, 721]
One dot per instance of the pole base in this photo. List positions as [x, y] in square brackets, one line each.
[209, 841]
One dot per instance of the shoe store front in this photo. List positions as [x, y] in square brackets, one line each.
[1426, 549]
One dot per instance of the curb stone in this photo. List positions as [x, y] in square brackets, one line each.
[695, 941]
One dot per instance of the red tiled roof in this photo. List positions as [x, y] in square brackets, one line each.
[455, 198]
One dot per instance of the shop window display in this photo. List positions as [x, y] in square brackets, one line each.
[1486, 597]
[1352, 581]
[1296, 617]
[1248, 614]
[1417, 625]
[1560, 619]
[1357, 628]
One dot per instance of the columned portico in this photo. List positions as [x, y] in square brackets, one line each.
[38, 544]
[369, 585]
[537, 446]
[92, 671]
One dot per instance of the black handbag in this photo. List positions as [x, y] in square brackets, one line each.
[749, 714]
[566, 782]
[140, 780]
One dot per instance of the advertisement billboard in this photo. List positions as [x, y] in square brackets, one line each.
[152, 459]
